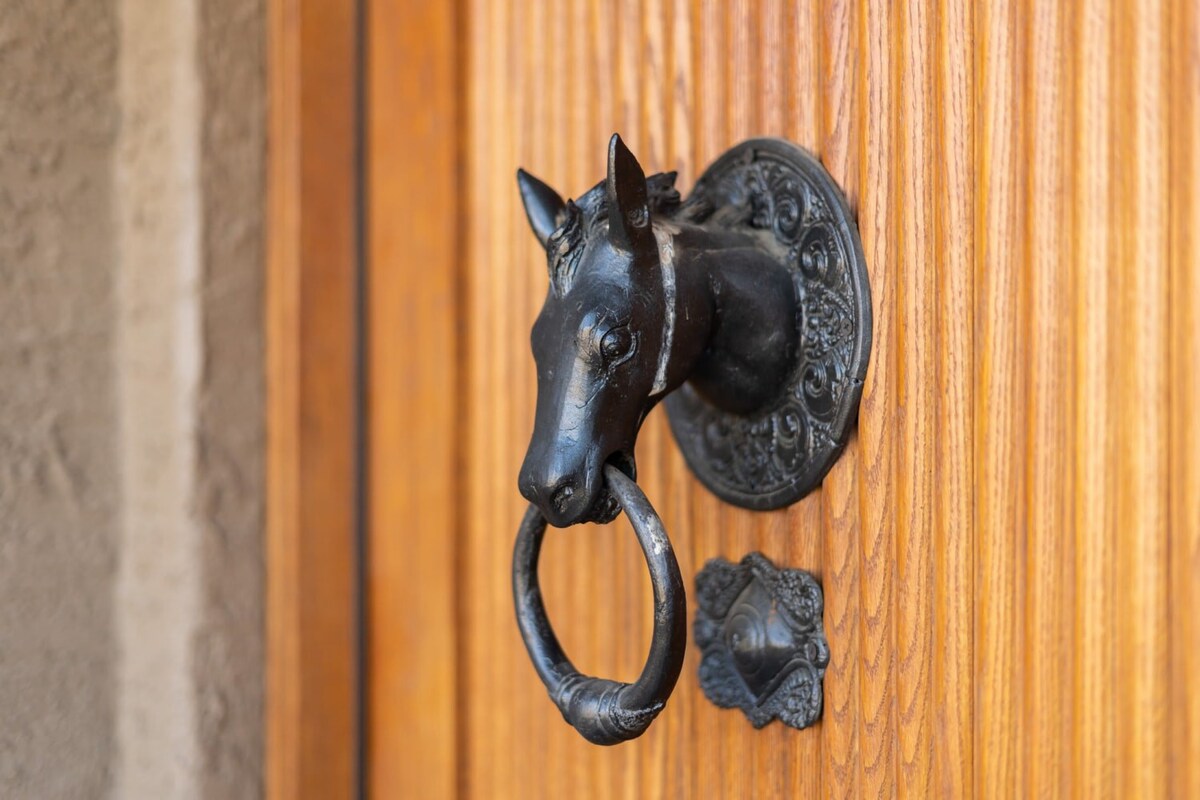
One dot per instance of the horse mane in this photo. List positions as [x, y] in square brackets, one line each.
[588, 217]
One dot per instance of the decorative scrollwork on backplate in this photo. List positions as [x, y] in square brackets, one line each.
[763, 642]
[774, 457]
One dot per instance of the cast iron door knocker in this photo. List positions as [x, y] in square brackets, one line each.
[746, 308]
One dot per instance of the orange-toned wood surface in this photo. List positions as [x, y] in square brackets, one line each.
[1010, 544]
[413, 407]
[312, 405]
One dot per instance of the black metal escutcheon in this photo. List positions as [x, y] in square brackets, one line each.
[762, 638]
[776, 453]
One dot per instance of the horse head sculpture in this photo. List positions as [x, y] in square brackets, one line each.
[640, 300]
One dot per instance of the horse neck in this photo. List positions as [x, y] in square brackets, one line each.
[742, 318]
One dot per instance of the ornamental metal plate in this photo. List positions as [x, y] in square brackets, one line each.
[776, 455]
[763, 642]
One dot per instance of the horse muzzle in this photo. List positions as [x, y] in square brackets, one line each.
[567, 498]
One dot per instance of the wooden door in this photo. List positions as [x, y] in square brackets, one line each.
[1009, 546]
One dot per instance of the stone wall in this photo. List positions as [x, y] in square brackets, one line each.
[132, 151]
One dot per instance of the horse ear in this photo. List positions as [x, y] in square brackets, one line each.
[628, 204]
[543, 206]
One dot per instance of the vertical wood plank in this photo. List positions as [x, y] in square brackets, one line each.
[1184, 432]
[1049, 658]
[412, 335]
[841, 758]
[803, 32]
[954, 522]
[1095, 675]
[1142, 404]
[1001, 353]
[312, 417]
[711, 59]
[878, 731]
[839, 71]
[477, 719]
[837, 89]
[683, 87]
[492, 677]
[507, 346]
[916, 380]
[741, 111]
[771, 35]
[524, 288]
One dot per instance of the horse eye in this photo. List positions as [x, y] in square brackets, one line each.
[616, 344]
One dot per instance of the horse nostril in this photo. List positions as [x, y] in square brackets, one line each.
[562, 496]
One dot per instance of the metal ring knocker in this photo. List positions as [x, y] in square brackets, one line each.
[602, 710]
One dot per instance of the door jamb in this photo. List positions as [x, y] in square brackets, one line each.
[314, 480]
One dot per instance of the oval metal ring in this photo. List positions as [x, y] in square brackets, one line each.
[606, 711]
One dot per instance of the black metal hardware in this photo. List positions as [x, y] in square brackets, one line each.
[605, 711]
[762, 638]
[750, 298]
[772, 452]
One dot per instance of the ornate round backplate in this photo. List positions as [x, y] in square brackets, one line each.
[772, 458]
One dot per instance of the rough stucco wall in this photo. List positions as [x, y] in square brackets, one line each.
[230, 492]
[131, 430]
[58, 488]
[157, 208]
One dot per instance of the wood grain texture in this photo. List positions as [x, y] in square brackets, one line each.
[954, 518]
[840, 117]
[1049, 657]
[1001, 353]
[1094, 712]
[1142, 405]
[412, 308]
[915, 401]
[878, 734]
[1183, 539]
[1009, 543]
[312, 414]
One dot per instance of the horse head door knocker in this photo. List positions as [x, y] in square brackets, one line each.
[746, 308]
